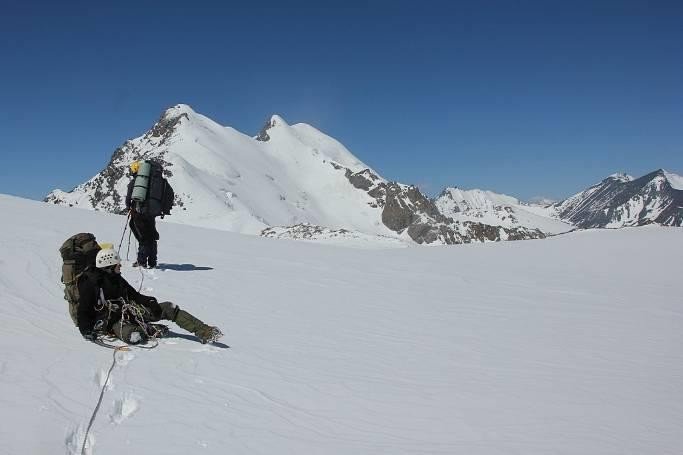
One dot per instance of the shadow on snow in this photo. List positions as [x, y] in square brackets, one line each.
[184, 336]
[181, 267]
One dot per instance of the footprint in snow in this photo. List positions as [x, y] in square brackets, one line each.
[74, 442]
[123, 358]
[124, 408]
[101, 377]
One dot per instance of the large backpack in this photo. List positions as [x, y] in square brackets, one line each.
[159, 196]
[78, 253]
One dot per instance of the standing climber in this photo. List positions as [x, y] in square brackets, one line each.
[149, 195]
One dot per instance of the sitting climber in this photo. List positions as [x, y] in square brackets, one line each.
[108, 304]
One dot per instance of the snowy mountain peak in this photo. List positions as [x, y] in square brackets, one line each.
[623, 201]
[177, 111]
[274, 122]
[541, 201]
[288, 175]
[476, 198]
[495, 209]
[675, 180]
[620, 176]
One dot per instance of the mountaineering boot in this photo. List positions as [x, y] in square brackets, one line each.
[158, 330]
[210, 335]
[205, 333]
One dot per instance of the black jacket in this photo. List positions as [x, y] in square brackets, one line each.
[143, 226]
[114, 287]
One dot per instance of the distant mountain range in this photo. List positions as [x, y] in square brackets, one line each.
[293, 181]
[620, 200]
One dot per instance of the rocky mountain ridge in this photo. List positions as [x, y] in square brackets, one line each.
[620, 201]
[287, 175]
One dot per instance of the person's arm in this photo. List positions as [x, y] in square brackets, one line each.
[131, 293]
[129, 194]
[86, 315]
[147, 301]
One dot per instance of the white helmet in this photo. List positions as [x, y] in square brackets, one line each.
[106, 258]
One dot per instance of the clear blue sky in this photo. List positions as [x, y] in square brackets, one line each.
[520, 97]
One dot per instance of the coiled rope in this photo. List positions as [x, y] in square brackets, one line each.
[99, 402]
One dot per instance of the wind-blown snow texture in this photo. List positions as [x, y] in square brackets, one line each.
[568, 345]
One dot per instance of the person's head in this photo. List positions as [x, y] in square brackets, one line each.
[108, 260]
[134, 166]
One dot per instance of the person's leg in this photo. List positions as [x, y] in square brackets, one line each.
[152, 253]
[149, 237]
[129, 333]
[134, 226]
[142, 253]
[185, 320]
[137, 227]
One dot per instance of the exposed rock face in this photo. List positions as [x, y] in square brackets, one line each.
[303, 231]
[405, 208]
[263, 134]
[620, 201]
[207, 161]
[164, 128]
[106, 191]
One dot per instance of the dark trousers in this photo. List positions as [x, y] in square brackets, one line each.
[147, 253]
[145, 231]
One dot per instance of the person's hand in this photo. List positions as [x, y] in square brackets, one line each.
[90, 336]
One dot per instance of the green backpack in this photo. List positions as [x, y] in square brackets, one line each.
[78, 253]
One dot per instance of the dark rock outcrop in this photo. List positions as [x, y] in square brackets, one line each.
[406, 209]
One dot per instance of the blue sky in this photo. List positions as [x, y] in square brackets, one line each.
[525, 98]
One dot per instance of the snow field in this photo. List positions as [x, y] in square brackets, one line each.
[569, 345]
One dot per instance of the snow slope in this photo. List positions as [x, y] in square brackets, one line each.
[568, 345]
[675, 180]
[496, 209]
[284, 177]
[224, 179]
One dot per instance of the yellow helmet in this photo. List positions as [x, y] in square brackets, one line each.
[134, 166]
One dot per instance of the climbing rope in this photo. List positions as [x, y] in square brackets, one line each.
[133, 313]
[128, 248]
[99, 402]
